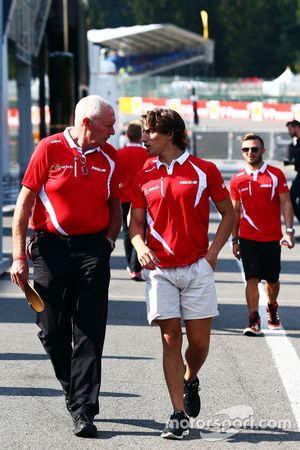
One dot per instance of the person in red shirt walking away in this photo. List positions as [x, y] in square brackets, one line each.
[72, 182]
[259, 192]
[131, 159]
[172, 193]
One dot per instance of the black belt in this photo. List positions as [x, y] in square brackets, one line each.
[73, 237]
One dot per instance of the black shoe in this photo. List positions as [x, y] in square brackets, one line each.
[192, 403]
[177, 426]
[67, 401]
[83, 426]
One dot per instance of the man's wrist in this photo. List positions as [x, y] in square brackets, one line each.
[290, 230]
[234, 240]
[20, 258]
[112, 242]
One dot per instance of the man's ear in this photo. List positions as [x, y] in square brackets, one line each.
[87, 123]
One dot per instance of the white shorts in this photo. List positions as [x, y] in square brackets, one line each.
[186, 292]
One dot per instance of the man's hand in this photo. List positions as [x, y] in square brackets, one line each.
[19, 273]
[147, 258]
[288, 239]
[236, 250]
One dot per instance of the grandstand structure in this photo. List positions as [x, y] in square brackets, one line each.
[144, 50]
[123, 56]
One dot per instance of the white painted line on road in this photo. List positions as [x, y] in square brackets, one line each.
[284, 354]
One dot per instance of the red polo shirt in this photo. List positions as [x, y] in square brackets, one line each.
[68, 202]
[131, 159]
[260, 205]
[177, 202]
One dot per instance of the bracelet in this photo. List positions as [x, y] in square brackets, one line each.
[235, 240]
[19, 258]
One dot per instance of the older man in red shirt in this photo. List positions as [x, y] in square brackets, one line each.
[72, 183]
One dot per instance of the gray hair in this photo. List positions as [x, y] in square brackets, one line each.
[91, 106]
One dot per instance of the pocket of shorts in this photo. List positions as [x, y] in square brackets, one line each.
[145, 274]
[34, 251]
[207, 264]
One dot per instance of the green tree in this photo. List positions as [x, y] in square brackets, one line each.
[252, 37]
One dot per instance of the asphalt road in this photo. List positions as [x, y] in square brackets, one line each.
[249, 386]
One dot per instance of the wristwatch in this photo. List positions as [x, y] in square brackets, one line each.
[290, 230]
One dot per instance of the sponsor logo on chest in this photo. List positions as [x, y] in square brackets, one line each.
[63, 166]
[150, 189]
[188, 182]
[98, 169]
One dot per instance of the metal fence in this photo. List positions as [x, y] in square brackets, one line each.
[205, 88]
[226, 145]
[212, 145]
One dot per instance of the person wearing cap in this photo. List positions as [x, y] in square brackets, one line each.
[172, 193]
[131, 158]
[293, 127]
[259, 192]
[73, 185]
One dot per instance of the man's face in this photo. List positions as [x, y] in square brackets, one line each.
[154, 141]
[291, 131]
[102, 127]
[252, 151]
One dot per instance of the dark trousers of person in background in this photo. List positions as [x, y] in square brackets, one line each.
[72, 276]
[295, 196]
[130, 252]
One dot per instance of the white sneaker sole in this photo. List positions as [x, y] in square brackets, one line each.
[250, 332]
[170, 435]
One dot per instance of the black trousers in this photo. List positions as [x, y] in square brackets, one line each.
[295, 196]
[130, 252]
[72, 275]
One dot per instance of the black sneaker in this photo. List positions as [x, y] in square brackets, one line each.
[177, 426]
[192, 403]
[83, 426]
[253, 329]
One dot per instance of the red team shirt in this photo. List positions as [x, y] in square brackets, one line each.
[260, 204]
[68, 202]
[177, 202]
[131, 159]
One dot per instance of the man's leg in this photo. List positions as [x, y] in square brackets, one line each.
[295, 196]
[252, 297]
[198, 335]
[55, 320]
[89, 326]
[126, 239]
[272, 290]
[252, 294]
[171, 335]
